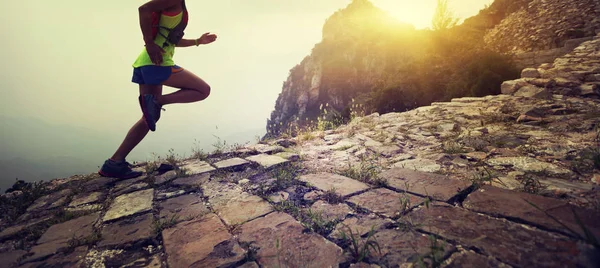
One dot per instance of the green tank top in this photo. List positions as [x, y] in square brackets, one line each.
[168, 21]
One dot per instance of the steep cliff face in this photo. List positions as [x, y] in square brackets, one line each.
[352, 56]
[545, 24]
[365, 51]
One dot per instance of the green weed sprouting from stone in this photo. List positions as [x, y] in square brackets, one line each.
[159, 225]
[484, 176]
[328, 119]
[332, 197]
[531, 185]
[83, 241]
[366, 171]
[315, 222]
[287, 206]
[588, 236]
[359, 249]
[171, 157]
[219, 145]
[181, 172]
[152, 166]
[435, 255]
[356, 110]
[198, 153]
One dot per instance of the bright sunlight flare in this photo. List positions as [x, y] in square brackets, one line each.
[420, 12]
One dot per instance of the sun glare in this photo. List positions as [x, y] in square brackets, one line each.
[419, 13]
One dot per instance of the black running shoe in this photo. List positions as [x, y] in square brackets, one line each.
[119, 170]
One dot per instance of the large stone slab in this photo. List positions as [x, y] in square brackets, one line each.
[267, 161]
[402, 248]
[201, 243]
[266, 149]
[528, 164]
[127, 232]
[232, 163]
[232, 204]
[56, 238]
[386, 202]
[509, 242]
[165, 177]
[437, 186]
[327, 181]
[9, 259]
[50, 201]
[98, 184]
[193, 181]
[331, 212]
[419, 164]
[128, 186]
[289, 156]
[14, 230]
[183, 208]
[509, 204]
[74, 258]
[130, 204]
[361, 225]
[195, 166]
[87, 198]
[470, 259]
[281, 242]
[75, 228]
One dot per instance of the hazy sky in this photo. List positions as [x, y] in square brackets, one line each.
[69, 62]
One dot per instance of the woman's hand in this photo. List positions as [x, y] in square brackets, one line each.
[155, 52]
[207, 38]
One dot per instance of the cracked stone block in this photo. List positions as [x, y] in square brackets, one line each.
[232, 163]
[201, 243]
[130, 204]
[505, 203]
[509, 242]
[127, 232]
[56, 238]
[289, 156]
[434, 185]
[86, 198]
[182, 208]
[528, 164]
[295, 247]
[331, 212]
[400, 248]
[10, 258]
[360, 225]
[193, 181]
[418, 164]
[470, 259]
[196, 166]
[50, 201]
[327, 181]
[267, 161]
[386, 202]
[234, 205]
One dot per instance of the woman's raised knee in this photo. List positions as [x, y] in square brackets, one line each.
[205, 91]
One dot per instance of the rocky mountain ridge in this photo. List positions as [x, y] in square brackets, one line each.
[342, 67]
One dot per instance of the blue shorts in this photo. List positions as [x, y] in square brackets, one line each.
[153, 75]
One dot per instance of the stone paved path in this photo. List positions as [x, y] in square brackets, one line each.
[460, 184]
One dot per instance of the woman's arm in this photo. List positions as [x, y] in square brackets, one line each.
[206, 38]
[187, 43]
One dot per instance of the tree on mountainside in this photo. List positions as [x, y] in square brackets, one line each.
[443, 18]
